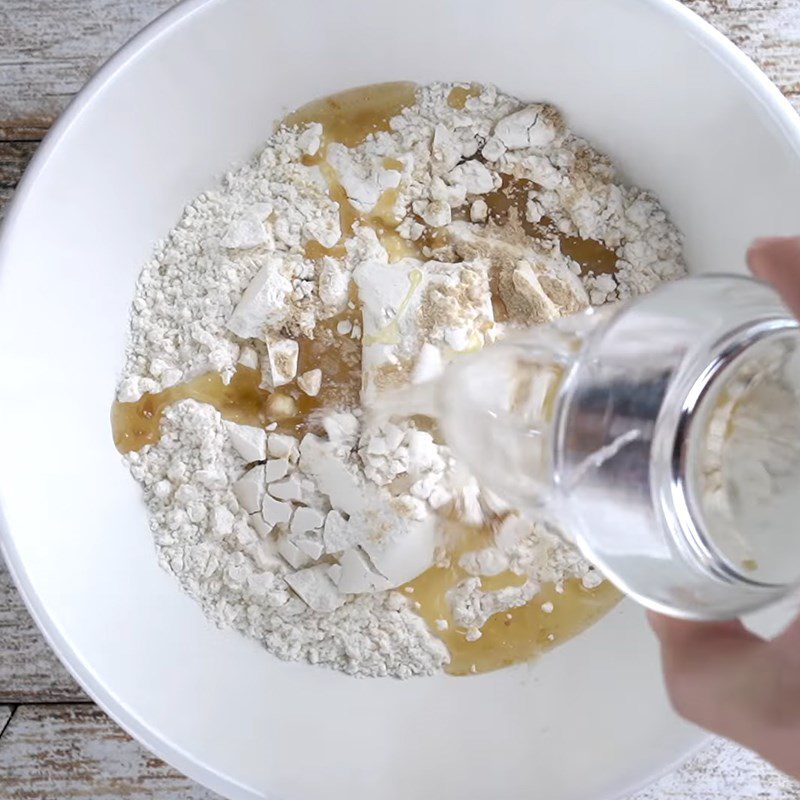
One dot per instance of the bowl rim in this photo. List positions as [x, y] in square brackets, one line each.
[774, 104]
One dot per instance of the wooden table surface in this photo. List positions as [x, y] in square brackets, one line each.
[54, 742]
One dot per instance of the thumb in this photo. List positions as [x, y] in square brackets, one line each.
[712, 672]
[727, 680]
[777, 261]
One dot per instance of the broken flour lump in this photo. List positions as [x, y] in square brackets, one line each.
[376, 238]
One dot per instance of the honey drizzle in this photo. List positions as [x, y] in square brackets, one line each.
[246, 402]
[135, 425]
[349, 117]
[507, 207]
[593, 256]
[510, 637]
[507, 637]
[460, 94]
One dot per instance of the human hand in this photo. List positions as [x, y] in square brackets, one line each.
[720, 675]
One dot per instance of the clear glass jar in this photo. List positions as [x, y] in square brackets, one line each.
[662, 434]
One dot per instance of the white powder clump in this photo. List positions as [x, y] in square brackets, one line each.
[473, 607]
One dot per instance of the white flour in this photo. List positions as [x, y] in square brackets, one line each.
[302, 542]
[187, 293]
[203, 537]
[749, 468]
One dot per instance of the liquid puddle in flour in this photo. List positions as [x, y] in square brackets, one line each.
[509, 637]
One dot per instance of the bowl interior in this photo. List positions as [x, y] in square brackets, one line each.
[681, 113]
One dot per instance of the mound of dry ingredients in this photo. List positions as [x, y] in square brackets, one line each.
[375, 237]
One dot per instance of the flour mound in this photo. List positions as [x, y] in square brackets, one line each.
[456, 225]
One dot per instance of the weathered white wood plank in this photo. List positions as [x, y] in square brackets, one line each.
[76, 751]
[14, 157]
[723, 771]
[767, 30]
[29, 671]
[49, 48]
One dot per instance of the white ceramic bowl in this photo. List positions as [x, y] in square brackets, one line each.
[679, 108]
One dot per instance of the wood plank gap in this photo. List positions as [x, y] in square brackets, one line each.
[12, 710]
[87, 701]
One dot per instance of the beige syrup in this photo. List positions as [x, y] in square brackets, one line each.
[508, 637]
